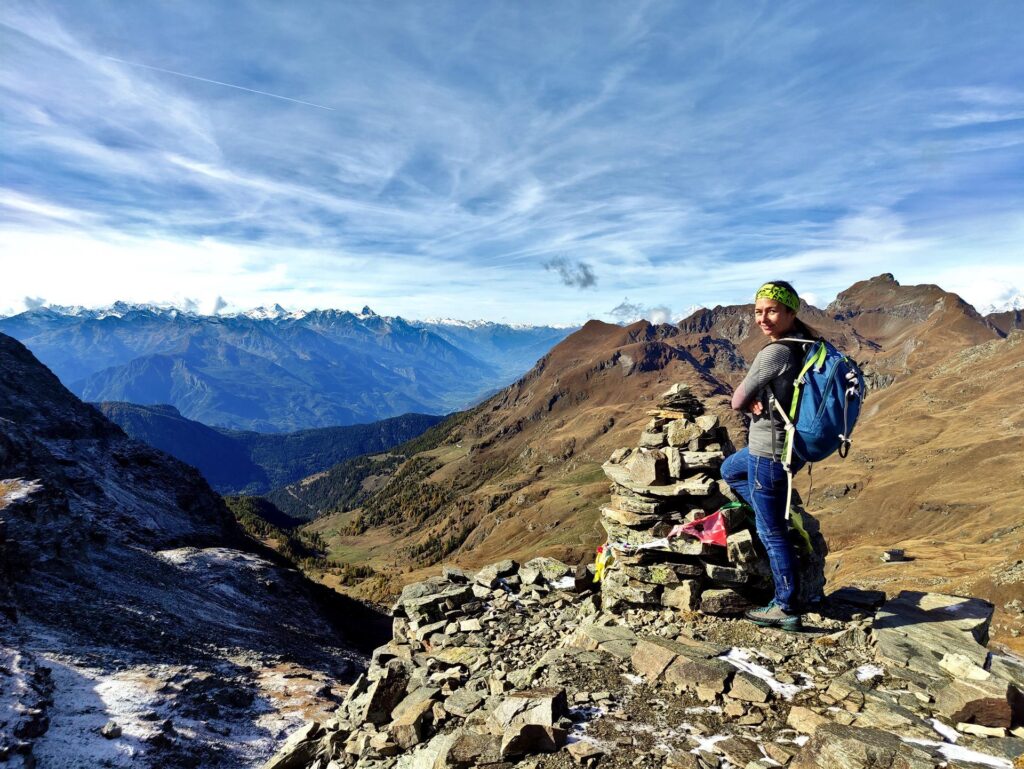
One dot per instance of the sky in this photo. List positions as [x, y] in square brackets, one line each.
[526, 161]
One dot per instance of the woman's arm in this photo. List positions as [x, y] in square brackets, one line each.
[768, 364]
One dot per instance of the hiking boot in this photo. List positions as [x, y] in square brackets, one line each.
[772, 615]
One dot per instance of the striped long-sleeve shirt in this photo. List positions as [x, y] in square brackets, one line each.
[772, 373]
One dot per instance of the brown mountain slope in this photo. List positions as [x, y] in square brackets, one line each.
[522, 475]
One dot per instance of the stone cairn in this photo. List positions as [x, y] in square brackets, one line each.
[673, 477]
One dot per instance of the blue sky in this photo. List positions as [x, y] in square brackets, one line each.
[522, 161]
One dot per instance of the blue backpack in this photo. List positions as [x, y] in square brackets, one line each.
[827, 397]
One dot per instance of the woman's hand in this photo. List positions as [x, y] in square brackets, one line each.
[756, 408]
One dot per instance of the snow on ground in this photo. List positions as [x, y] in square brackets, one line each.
[633, 678]
[948, 732]
[867, 672]
[83, 702]
[958, 753]
[741, 658]
[14, 489]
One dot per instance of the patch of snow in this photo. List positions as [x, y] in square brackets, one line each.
[633, 678]
[867, 672]
[565, 583]
[948, 732]
[706, 743]
[958, 753]
[802, 739]
[16, 489]
[741, 659]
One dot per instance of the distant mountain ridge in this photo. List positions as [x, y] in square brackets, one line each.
[272, 370]
[236, 462]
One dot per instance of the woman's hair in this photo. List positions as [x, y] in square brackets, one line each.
[798, 325]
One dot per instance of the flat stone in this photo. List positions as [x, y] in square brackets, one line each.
[700, 485]
[805, 720]
[462, 702]
[646, 468]
[711, 675]
[597, 637]
[383, 694]
[749, 688]
[723, 601]
[739, 751]
[410, 727]
[727, 574]
[469, 749]
[914, 630]
[981, 731]
[584, 752]
[467, 656]
[702, 460]
[676, 465]
[628, 517]
[489, 576]
[618, 590]
[299, 749]
[635, 504]
[836, 745]
[961, 666]
[413, 700]
[651, 656]
[650, 439]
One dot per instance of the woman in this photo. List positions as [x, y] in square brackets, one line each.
[756, 472]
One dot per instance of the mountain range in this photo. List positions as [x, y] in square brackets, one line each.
[936, 453]
[269, 370]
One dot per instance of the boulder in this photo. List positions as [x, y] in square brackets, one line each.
[685, 596]
[650, 439]
[749, 688]
[409, 728]
[835, 745]
[915, 630]
[299, 750]
[528, 721]
[723, 601]
[679, 432]
[805, 720]
[707, 677]
[647, 468]
[489, 576]
[740, 548]
[382, 695]
[994, 702]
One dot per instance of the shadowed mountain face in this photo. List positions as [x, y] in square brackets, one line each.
[121, 567]
[248, 462]
[520, 474]
[277, 373]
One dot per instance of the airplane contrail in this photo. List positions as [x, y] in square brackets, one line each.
[218, 82]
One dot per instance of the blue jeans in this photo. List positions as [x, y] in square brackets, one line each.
[761, 483]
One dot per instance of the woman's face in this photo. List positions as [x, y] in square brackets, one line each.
[775, 319]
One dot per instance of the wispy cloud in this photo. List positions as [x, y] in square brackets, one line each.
[677, 155]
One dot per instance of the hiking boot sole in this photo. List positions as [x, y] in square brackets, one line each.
[790, 625]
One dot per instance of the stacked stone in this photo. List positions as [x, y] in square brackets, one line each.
[672, 477]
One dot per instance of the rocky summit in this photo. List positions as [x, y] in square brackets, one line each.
[522, 665]
[641, 660]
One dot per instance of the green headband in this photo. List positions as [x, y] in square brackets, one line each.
[780, 294]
